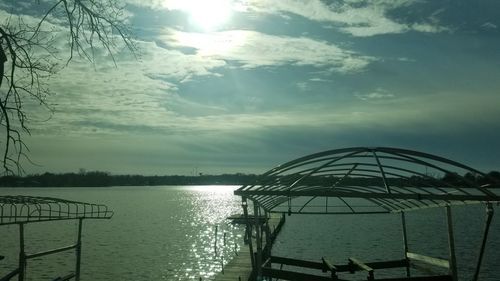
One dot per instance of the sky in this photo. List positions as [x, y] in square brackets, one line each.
[226, 86]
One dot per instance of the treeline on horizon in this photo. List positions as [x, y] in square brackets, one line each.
[491, 179]
[102, 179]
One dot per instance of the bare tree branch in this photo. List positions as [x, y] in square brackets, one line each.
[28, 57]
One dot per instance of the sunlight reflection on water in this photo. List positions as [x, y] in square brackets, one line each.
[157, 233]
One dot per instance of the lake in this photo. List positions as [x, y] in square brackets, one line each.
[168, 233]
[156, 233]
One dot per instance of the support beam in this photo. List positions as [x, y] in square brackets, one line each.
[361, 265]
[429, 260]
[384, 178]
[330, 267]
[292, 275]
[267, 230]
[451, 244]
[9, 275]
[405, 242]
[489, 216]
[22, 253]
[49, 252]
[248, 229]
[371, 195]
[258, 261]
[78, 250]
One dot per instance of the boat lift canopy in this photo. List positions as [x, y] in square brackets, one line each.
[22, 210]
[26, 209]
[369, 180]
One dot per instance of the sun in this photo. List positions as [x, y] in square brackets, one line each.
[208, 15]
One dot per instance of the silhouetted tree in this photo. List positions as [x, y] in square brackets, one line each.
[29, 55]
[470, 177]
[494, 175]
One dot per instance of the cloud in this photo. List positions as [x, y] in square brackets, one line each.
[428, 28]
[378, 94]
[489, 26]
[136, 95]
[153, 4]
[354, 17]
[303, 86]
[255, 143]
[358, 18]
[318, 79]
[255, 49]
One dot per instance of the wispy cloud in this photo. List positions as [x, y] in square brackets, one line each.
[135, 94]
[489, 25]
[358, 18]
[255, 49]
[377, 95]
[362, 19]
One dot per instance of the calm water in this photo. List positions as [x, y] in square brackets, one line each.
[157, 233]
[379, 237]
[168, 233]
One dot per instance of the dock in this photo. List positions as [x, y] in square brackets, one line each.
[240, 267]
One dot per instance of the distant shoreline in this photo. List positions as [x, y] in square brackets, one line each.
[111, 186]
[103, 179]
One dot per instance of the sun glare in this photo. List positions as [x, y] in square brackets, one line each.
[207, 15]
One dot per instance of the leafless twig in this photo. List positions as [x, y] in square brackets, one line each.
[27, 59]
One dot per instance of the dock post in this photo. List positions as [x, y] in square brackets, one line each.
[268, 234]
[22, 254]
[258, 262]
[489, 216]
[451, 243]
[78, 250]
[215, 240]
[248, 229]
[405, 243]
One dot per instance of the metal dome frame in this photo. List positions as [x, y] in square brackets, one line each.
[368, 180]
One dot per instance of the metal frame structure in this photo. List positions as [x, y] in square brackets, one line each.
[22, 210]
[373, 180]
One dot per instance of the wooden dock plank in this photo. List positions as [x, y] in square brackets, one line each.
[240, 267]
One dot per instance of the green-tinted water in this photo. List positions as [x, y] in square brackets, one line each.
[157, 233]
